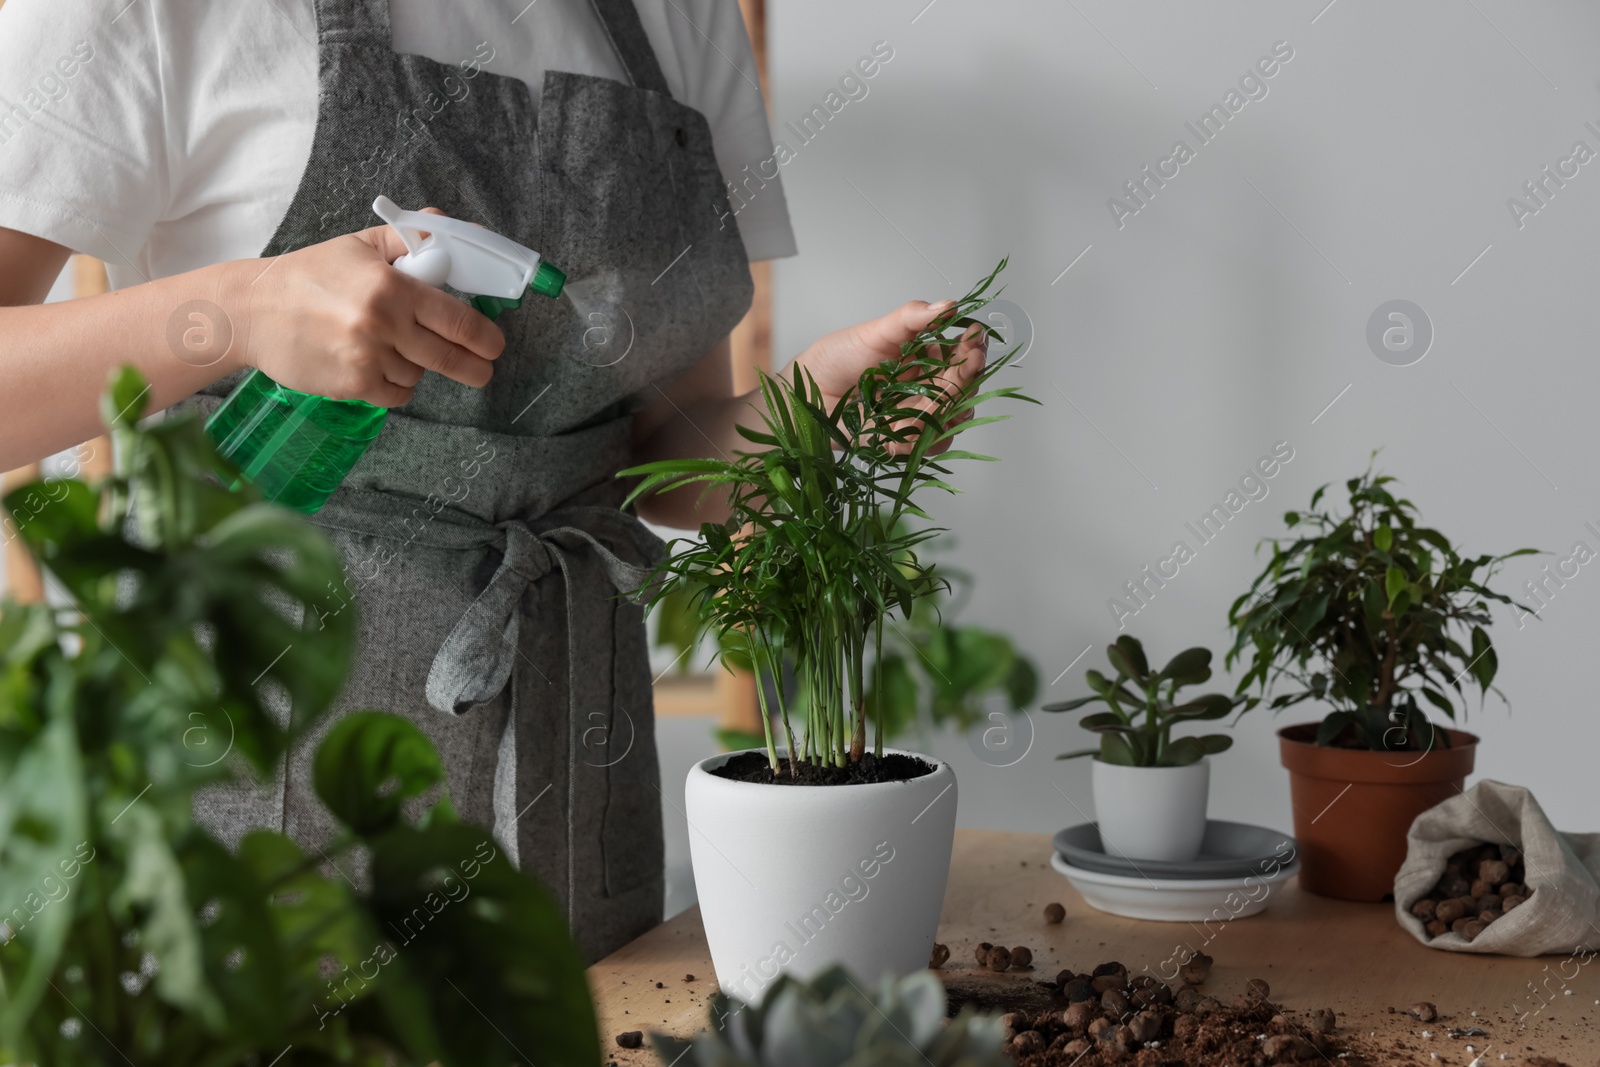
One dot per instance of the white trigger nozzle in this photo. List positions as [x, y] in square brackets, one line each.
[465, 257]
[395, 216]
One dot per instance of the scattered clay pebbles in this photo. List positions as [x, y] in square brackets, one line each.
[1479, 885]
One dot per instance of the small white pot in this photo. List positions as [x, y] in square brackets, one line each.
[793, 879]
[1152, 813]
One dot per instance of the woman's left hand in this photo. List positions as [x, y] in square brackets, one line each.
[837, 359]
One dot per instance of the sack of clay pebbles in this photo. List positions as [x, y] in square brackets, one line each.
[1486, 872]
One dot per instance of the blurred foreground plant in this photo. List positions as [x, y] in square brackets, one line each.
[129, 933]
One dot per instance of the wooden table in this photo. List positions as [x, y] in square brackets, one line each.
[1314, 952]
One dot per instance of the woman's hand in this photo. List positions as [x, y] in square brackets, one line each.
[698, 415]
[836, 360]
[335, 319]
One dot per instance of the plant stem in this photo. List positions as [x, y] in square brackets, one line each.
[761, 697]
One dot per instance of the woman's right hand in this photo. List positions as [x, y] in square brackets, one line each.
[335, 319]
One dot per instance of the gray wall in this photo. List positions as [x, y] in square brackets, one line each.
[1227, 314]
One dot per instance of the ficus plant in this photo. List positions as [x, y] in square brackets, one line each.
[1373, 614]
[817, 555]
[130, 934]
[1136, 729]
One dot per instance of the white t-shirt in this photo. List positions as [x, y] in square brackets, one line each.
[166, 135]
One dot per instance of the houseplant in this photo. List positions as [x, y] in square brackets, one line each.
[1151, 788]
[813, 562]
[833, 1022]
[932, 668]
[130, 934]
[1375, 616]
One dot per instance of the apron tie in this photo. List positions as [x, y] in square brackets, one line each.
[474, 662]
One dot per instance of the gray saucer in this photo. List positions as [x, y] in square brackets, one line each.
[1229, 850]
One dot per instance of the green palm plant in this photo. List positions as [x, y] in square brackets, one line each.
[817, 556]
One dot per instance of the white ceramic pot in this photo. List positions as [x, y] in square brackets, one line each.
[1152, 813]
[793, 879]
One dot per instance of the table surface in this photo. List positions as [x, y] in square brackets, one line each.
[1314, 952]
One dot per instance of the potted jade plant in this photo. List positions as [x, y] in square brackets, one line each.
[1375, 617]
[823, 846]
[130, 934]
[1150, 787]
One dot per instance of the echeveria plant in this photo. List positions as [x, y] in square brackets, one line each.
[1136, 728]
[832, 1022]
[1372, 613]
[817, 557]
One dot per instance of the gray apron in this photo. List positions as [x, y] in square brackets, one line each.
[484, 548]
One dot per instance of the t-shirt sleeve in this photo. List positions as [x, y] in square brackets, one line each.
[83, 152]
[705, 54]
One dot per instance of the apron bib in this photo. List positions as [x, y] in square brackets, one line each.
[484, 548]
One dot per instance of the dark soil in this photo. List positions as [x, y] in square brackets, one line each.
[1144, 1023]
[753, 767]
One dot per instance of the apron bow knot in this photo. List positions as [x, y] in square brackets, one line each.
[474, 663]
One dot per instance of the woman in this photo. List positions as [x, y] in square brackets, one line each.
[223, 160]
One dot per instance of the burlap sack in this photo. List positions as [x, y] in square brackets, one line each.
[1562, 915]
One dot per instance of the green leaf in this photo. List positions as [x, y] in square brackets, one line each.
[369, 765]
[1205, 708]
[125, 399]
[1097, 681]
[152, 898]
[896, 692]
[1127, 656]
[53, 516]
[1076, 753]
[1382, 538]
[1485, 662]
[1333, 724]
[1189, 662]
[1394, 583]
[1072, 705]
[490, 941]
[43, 822]
[1438, 700]
[1182, 752]
[1116, 749]
[1106, 720]
[1022, 683]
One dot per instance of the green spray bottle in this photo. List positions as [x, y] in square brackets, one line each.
[297, 447]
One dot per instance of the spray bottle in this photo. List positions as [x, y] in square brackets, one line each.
[298, 447]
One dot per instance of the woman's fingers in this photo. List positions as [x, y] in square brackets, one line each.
[386, 239]
[965, 364]
[451, 337]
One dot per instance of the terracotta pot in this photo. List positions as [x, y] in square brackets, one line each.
[1352, 807]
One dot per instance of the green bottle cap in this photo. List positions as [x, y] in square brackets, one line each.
[548, 280]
